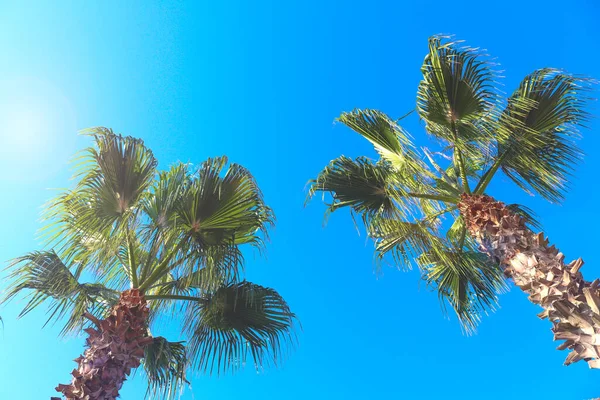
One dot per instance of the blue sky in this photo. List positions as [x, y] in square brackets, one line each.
[262, 82]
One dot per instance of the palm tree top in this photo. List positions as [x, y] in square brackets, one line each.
[405, 196]
[177, 236]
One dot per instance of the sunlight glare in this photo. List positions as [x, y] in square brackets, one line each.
[37, 126]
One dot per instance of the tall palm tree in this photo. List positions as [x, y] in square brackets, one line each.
[431, 209]
[130, 247]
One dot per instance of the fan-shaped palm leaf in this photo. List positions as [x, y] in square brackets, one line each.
[216, 212]
[466, 280]
[456, 94]
[389, 139]
[536, 132]
[405, 241]
[48, 279]
[229, 208]
[116, 172]
[165, 364]
[360, 184]
[238, 321]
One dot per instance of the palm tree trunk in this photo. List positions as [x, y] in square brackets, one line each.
[114, 347]
[571, 303]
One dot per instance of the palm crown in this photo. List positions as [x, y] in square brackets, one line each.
[405, 195]
[175, 235]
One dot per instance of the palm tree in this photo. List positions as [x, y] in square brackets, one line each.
[130, 247]
[431, 209]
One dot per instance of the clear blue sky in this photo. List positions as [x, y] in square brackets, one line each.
[262, 82]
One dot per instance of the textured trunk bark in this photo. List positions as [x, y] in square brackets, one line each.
[570, 303]
[114, 347]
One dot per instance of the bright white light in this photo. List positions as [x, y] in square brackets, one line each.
[37, 129]
[24, 130]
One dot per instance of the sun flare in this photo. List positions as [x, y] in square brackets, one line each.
[36, 123]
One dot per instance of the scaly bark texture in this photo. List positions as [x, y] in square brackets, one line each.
[115, 347]
[570, 303]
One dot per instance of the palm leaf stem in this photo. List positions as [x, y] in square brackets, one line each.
[131, 259]
[447, 199]
[152, 253]
[489, 174]
[173, 297]
[461, 163]
[164, 267]
[440, 213]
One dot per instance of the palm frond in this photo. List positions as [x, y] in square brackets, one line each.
[457, 232]
[391, 141]
[159, 229]
[404, 241]
[456, 96]
[236, 322]
[116, 172]
[166, 194]
[89, 223]
[212, 268]
[537, 130]
[228, 209]
[48, 279]
[366, 187]
[165, 364]
[475, 161]
[77, 233]
[219, 210]
[466, 280]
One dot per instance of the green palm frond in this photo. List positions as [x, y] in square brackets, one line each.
[364, 186]
[47, 278]
[116, 172]
[77, 233]
[88, 223]
[166, 194]
[389, 139]
[404, 241]
[537, 129]
[236, 322]
[456, 95]
[160, 228]
[474, 160]
[165, 364]
[457, 100]
[218, 210]
[457, 232]
[47, 275]
[217, 266]
[466, 280]
[224, 209]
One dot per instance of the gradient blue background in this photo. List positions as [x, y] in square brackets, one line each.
[262, 82]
